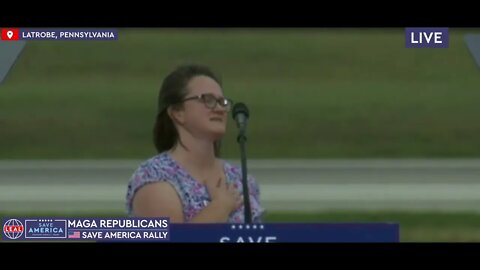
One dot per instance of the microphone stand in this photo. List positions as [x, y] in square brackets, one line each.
[242, 139]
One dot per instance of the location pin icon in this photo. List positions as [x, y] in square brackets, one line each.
[10, 34]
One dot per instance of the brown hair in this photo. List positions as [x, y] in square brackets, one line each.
[173, 91]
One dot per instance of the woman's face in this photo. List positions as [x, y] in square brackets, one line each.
[203, 115]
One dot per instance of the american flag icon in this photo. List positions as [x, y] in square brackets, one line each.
[74, 234]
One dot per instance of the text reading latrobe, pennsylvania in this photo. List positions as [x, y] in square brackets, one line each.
[12, 34]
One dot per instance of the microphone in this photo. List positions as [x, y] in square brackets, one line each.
[240, 114]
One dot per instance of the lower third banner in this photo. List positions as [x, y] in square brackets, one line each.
[160, 230]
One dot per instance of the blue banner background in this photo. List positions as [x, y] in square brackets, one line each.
[230, 233]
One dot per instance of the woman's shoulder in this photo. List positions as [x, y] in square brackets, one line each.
[156, 167]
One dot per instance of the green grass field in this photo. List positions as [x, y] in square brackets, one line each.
[414, 227]
[312, 93]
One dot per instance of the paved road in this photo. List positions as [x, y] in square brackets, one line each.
[285, 184]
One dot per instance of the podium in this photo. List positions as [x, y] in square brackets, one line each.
[285, 233]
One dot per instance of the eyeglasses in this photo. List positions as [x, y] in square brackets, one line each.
[211, 101]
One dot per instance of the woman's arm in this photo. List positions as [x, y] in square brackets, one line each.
[158, 199]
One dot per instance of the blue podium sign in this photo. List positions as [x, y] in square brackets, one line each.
[285, 233]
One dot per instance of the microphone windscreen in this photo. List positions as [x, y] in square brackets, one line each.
[240, 108]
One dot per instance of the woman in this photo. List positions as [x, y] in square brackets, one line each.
[187, 181]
